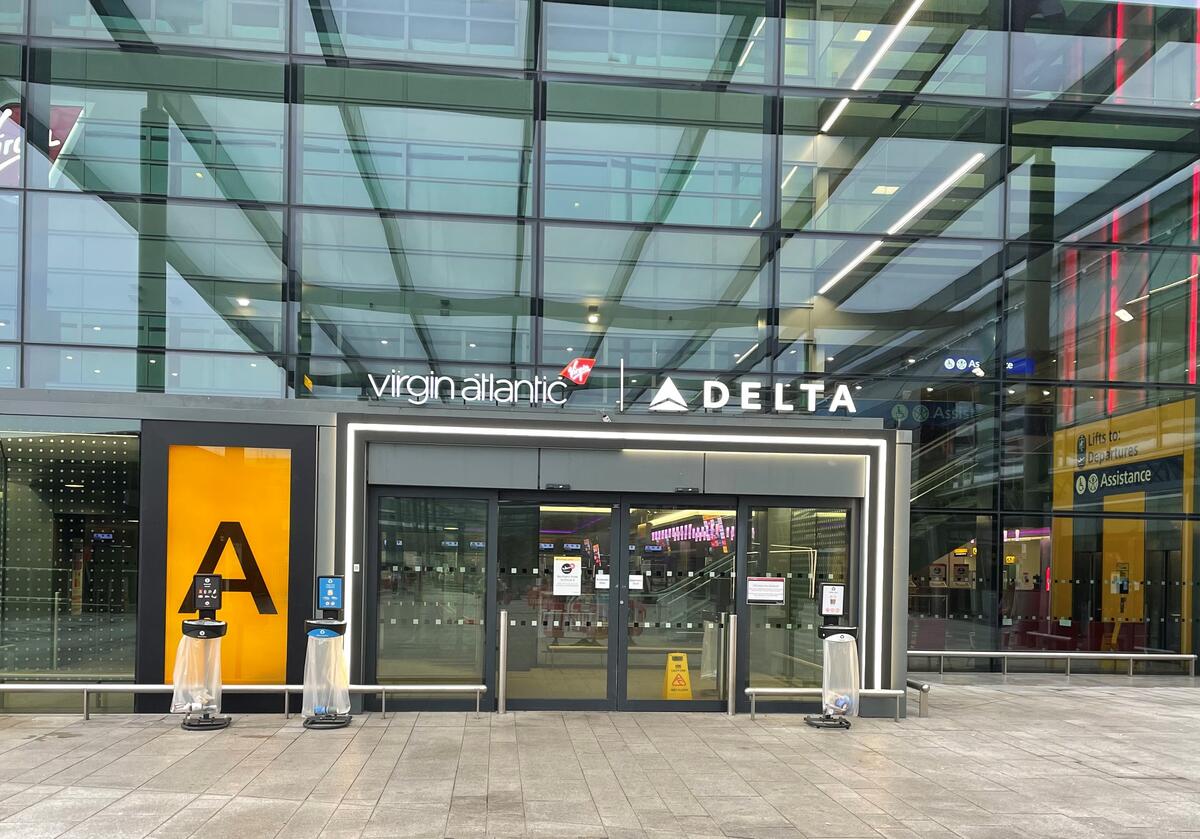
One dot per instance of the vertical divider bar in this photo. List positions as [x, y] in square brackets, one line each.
[731, 668]
[502, 667]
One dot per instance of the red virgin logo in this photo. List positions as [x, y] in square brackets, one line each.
[578, 370]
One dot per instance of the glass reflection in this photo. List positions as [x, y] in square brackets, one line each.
[910, 46]
[1106, 51]
[935, 302]
[408, 141]
[876, 167]
[638, 155]
[179, 275]
[1102, 177]
[660, 299]
[151, 124]
[488, 33]
[1087, 313]
[243, 24]
[705, 40]
[952, 593]
[414, 288]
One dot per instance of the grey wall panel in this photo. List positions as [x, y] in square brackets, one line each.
[452, 466]
[622, 471]
[833, 476]
[327, 479]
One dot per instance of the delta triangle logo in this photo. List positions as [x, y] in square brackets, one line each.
[668, 398]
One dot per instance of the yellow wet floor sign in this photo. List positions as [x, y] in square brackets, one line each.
[677, 684]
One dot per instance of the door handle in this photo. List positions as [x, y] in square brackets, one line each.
[812, 576]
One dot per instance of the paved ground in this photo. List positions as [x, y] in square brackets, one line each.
[1101, 758]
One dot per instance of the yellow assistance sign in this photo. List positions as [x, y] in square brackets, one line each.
[677, 684]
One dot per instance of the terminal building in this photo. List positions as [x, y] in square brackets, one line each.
[711, 300]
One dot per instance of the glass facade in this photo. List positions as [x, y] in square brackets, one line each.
[984, 218]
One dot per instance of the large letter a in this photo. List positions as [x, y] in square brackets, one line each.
[231, 531]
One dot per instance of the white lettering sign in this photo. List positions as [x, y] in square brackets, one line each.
[568, 576]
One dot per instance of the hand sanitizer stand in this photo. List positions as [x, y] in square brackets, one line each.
[326, 674]
[839, 671]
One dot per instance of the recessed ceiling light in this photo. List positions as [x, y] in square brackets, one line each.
[1011, 392]
[174, 374]
[633, 381]
[593, 315]
[912, 361]
[152, 361]
[858, 387]
[472, 346]
[1045, 393]
[3, 323]
[929, 390]
[200, 175]
[791, 352]
[383, 341]
[97, 372]
[862, 35]
[570, 349]
[70, 358]
[95, 329]
[243, 301]
[73, 486]
[885, 189]
[253, 363]
[1123, 315]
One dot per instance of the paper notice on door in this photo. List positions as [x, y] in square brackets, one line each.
[635, 582]
[568, 576]
[601, 580]
[765, 589]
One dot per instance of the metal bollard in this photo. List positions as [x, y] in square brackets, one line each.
[502, 673]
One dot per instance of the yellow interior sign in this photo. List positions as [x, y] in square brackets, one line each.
[229, 513]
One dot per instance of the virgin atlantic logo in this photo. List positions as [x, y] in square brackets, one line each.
[578, 370]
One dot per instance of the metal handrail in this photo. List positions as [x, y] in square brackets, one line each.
[1005, 655]
[754, 693]
[922, 701]
[88, 688]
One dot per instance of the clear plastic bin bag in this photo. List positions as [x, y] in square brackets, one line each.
[840, 679]
[326, 678]
[197, 678]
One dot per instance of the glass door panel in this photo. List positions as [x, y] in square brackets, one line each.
[804, 547]
[555, 571]
[432, 589]
[681, 568]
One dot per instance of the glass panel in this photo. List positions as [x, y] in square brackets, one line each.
[705, 40]
[803, 547]
[933, 301]
[891, 168]
[1098, 584]
[12, 114]
[10, 265]
[124, 273]
[409, 141]
[1109, 51]
[656, 299]
[938, 46]
[98, 369]
[12, 16]
[683, 561]
[487, 33]
[1084, 449]
[68, 557]
[428, 289]
[228, 375]
[10, 365]
[233, 24]
[158, 125]
[674, 156]
[555, 575]
[952, 592]
[1103, 314]
[432, 588]
[1101, 177]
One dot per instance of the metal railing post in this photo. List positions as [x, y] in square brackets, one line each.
[382, 702]
[1131, 665]
[287, 711]
[1004, 664]
[731, 669]
[87, 711]
[1068, 665]
[922, 703]
[502, 669]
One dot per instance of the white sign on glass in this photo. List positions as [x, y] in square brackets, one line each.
[833, 599]
[568, 576]
[601, 580]
[765, 589]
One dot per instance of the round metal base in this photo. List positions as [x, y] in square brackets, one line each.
[819, 721]
[328, 721]
[205, 723]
